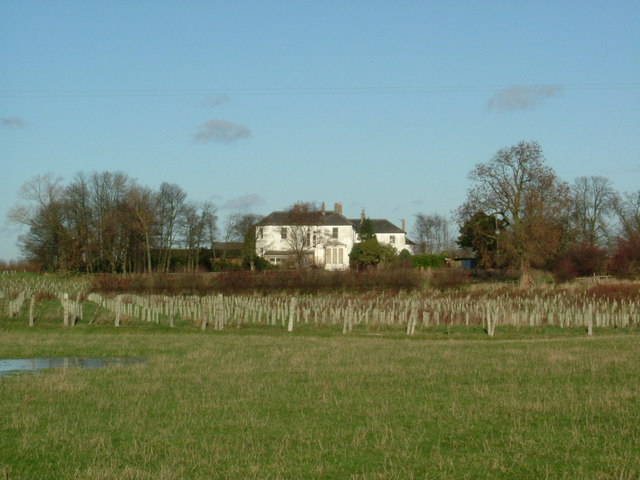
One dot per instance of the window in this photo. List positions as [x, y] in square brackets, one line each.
[334, 256]
[392, 239]
[307, 239]
[283, 233]
[335, 232]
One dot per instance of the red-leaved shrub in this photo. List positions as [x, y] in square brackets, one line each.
[580, 261]
[625, 262]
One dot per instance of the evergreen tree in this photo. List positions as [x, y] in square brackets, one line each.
[365, 232]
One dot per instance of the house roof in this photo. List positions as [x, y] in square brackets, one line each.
[325, 218]
[378, 225]
[284, 218]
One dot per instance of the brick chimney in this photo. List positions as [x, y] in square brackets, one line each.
[404, 226]
[338, 208]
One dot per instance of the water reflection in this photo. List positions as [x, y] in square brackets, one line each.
[16, 366]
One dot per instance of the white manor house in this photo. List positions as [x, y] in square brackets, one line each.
[321, 238]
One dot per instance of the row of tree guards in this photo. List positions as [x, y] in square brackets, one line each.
[71, 309]
[411, 313]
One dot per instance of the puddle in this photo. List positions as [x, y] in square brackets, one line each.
[17, 366]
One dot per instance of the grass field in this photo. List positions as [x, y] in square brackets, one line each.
[264, 404]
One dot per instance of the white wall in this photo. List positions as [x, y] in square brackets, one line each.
[271, 240]
[398, 243]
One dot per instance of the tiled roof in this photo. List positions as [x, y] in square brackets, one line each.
[308, 218]
[379, 226]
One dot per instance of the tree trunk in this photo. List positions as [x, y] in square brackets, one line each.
[525, 274]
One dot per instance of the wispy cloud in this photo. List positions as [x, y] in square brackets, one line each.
[244, 202]
[214, 102]
[520, 97]
[221, 131]
[15, 122]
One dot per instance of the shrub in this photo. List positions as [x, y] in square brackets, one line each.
[429, 260]
[370, 253]
[265, 282]
[19, 266]
[449, 278]
[224, 265]
[626, 259]
[564, 271]
[110, 284]
[580, 261]
[616, 291]
[258, 262]
[495, 274]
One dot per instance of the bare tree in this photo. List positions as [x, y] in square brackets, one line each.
[192, 234]
[592, 199]
[627, 209]
[210, 224]
[108, 192]
[41, 209]
[303, 232]
[142, 203]
[432, 233]
[80, 214]
[171, 201]
[517, 185]
[240, 227]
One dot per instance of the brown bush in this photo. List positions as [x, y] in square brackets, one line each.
[616, 291]
[449, 278]
[265, 282]
[19, 266]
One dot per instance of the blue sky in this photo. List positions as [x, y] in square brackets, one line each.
[255, 105]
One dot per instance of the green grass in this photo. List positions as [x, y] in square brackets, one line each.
[246, 404]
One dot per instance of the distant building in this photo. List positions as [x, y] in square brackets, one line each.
[319, 238]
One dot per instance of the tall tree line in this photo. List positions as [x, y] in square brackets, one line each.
[108, 222]
[518, 213]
